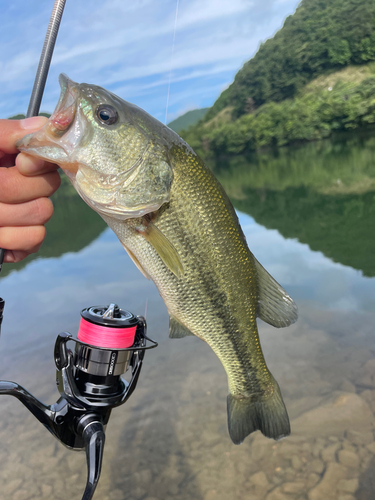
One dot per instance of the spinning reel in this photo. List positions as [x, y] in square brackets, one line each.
[109, 342]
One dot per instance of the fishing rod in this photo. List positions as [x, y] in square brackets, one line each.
[42, 71]
[110, 340]
[39, 85]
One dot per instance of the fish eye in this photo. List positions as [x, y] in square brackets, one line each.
[106, 114]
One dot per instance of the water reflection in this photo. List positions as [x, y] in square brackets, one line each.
[322, 194]
[73, 226]
[170, 440]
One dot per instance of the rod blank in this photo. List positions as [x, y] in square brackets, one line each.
[45, 58]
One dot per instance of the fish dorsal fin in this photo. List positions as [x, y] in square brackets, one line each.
[275, 306]
[164, 248]
[136, 261]
[177, 330]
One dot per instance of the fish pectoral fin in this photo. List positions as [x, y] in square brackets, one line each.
[275, 306]
[177, 330]
[136, 261]
[164, 249]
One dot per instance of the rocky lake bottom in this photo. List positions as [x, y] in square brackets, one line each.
[170, 440]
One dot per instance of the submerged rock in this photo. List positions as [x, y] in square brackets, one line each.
[348, 485]
[348, 458]
[368, 378]
[327, 488]
[329, 453]
[360, 438]
[338, 413]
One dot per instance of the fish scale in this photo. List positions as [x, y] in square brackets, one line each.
[181, 294]
[180, 229]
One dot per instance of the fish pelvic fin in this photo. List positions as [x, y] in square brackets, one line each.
[177, 330]
[249, 414]
[275, 306]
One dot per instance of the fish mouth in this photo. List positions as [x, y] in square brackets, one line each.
[47, 142]
[66, 107]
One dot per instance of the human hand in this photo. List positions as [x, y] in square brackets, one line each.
[25, 185]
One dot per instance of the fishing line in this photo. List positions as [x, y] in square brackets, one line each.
[145, 314]
[104, 336]
[170, 72]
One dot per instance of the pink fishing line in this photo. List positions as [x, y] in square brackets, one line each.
[103, 336]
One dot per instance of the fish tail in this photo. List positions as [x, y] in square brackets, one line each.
[265, 413]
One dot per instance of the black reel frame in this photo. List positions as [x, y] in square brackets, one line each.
[79, 417]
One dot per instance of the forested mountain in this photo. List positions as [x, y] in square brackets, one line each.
[322, 37]
[187, 119]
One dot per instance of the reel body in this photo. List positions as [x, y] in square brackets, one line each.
[89, 381]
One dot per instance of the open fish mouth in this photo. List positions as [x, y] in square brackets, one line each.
[56, 141]
[65, 110]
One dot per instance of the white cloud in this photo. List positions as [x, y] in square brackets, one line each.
[127, 45]
[200, 11]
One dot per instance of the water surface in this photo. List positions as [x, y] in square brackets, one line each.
[308, 214]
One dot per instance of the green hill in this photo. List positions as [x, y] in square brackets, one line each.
[187, 120]
[280, 95]
[322, 35]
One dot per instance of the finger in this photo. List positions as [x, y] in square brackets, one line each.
[27, 239]
[12, 256]
[29, 165]
[13, 130]
[32, 213]
[16, 188]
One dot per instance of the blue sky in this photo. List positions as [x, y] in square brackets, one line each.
[126, 47]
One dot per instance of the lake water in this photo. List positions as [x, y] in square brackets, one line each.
[308, 214]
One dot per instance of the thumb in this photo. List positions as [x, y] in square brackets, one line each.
[13, 130]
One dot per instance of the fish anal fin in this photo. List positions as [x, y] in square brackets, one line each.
[275, 306]
[249, 414]
[177, 330]
[163, 247]
[136, 262]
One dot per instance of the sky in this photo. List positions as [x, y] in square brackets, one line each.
[136, 49]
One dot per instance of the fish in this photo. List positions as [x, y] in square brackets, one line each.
[180, 229]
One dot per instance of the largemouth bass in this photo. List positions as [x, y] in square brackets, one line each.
[180, 229]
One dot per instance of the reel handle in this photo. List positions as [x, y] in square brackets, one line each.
[94, 439]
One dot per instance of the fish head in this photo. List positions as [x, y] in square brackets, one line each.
[110, 149]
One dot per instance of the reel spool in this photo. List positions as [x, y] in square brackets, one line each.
[110, 340]
[98, 365]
